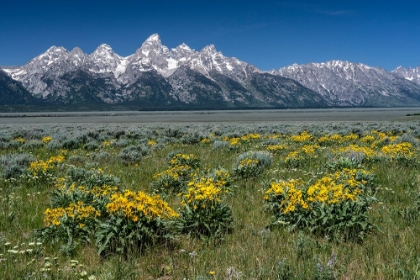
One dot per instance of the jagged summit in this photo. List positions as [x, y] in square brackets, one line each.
[104, 46]
[55, 49]
[209, 49]
[184, 47]
[77, 50]
[410, 74]
[104, 51]
[154, 38]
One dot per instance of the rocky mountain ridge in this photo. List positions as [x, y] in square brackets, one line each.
[353, 84]
[156, 76]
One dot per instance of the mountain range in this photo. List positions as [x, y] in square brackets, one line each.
[156, 77]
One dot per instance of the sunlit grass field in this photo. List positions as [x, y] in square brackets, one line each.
[210, 201]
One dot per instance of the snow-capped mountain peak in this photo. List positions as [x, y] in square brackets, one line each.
[104, 51]
[55, 49]
[77, 51]
[52, 55]
[182, 53]
[210, 49]
[77, 56]
[104, 46]
[154, 38]
[184, 47]
[410, 74]
[104, 60]
[151, 43]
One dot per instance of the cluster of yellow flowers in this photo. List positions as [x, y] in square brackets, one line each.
[235, 141]
[106, 143]
[304, 136]
[178, 173]
[102, 191]
[352, 150]
[43, 166]
[379, 135]
[250, 136]
[175, 172]
[46, 139]
[202, 192]
[78, 212]
[205, 141]
[372, 140]
[401, 150]
[136, 205]
[19, 139]
[276, 148]
[208, 139]
[309, 150]
[331, 189]
[348, 176]
[273, 136]
[291, 194]
[184, 159]
[302, 153]
[221, 178]
[151, 143]
[294, 156]
[337, 139]
[376, 137]
[328, 190]
[368, 139]
[182, 168]
[247, 162]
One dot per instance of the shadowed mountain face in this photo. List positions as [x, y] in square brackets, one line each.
[13, 93]
[158, 77]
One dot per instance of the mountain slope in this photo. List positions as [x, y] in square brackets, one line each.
[354, 84]
[280, 91]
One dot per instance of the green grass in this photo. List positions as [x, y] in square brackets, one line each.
[250, 251]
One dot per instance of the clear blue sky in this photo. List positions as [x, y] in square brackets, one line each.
[267, 34]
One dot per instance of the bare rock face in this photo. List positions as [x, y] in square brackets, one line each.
[181, 76]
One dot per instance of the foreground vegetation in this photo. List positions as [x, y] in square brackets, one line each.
[210, 201]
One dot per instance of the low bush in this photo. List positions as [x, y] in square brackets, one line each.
[133, 154]
[335, 205]
[204, 213]
[135, 221]
[14, 165]
[252, 163]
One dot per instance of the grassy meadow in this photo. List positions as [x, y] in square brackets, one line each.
[210, 201]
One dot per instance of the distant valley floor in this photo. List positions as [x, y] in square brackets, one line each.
[290, 115]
